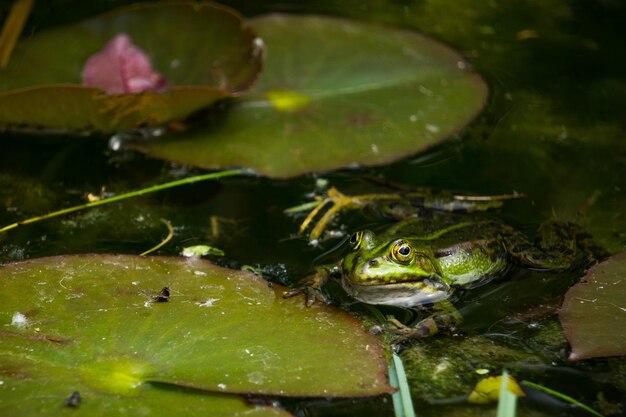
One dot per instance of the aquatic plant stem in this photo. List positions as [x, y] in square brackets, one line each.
[170, 235]
[12, 29]
[154, 188]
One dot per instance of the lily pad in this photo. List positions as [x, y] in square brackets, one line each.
[594, 311]
[45, 396]
[101, 325]
[204, 51]
[335, 93]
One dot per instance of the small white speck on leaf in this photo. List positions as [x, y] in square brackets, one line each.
[425, 91]
[432, 128]
[259, 47]
[208, 303]
[19, 320]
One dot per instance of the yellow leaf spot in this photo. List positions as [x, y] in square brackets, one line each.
[288, 101]
[121, 376]
[488, 390]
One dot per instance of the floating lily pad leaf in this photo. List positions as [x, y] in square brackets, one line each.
[44, 390]
[100, 323]
[594, 311]
[72, 107]
[202, 49]
[335, 93]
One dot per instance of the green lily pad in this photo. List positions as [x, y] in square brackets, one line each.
[335, 93]
[594, 311]
[203, 49]
[104, 325]
[41, 395]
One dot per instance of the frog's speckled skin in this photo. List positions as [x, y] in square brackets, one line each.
[422, 261]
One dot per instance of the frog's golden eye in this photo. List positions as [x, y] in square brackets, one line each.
[356, 239]
[401, 252]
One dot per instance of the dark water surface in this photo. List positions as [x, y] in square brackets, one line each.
[554, 129]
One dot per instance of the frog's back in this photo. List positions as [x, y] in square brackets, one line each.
[468, 251]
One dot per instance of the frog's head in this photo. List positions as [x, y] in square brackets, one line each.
[391, 272]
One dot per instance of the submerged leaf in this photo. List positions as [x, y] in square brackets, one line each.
[98, 324]
[593, 314]
[122, 67]
[488, 390]
[335, 93]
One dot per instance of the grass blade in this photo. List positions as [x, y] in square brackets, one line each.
[402, 403]
[507, 402]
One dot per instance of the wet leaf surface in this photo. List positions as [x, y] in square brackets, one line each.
[96, 324]
[335, 93]
[203, 50]
[594, 311]
[49, 395]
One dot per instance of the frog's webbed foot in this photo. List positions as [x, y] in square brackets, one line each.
[396, 205]
[311, 289]
[445, 318]
[428, 327]
[337, 202]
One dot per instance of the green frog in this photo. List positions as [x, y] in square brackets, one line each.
[425, 258]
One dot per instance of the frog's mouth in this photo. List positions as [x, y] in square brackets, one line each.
[404, 294]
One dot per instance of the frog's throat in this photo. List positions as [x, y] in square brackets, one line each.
[405, 294]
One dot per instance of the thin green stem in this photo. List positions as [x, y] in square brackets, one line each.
[302, 207]
[170, 235]
[12, 29]
[154, 188]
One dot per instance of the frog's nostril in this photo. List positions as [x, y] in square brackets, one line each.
[373, 262]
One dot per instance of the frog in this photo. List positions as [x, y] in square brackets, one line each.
[425, 258]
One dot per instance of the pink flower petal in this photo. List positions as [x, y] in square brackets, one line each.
[121, 68]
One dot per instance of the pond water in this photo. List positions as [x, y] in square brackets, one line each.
[553, 129]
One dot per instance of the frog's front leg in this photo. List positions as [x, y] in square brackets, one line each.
[444, 317]
[311, 286]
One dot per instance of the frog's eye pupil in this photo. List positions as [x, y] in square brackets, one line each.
[401, 252]
[355, 240]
